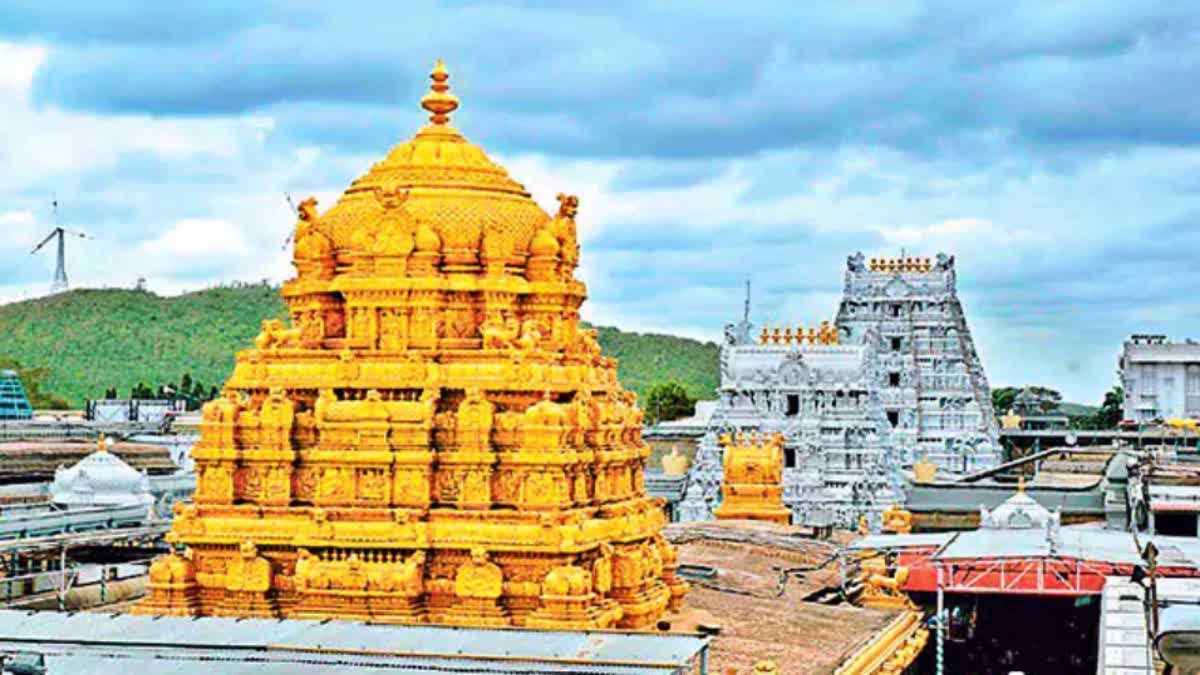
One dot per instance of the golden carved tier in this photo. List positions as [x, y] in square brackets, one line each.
[434, 438]
[752, 486]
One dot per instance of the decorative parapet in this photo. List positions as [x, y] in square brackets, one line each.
[823, 334]
[892, 650]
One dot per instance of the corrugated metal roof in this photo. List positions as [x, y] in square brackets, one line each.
[90, 641]
[1083, 543]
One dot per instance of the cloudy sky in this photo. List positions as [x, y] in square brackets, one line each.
[1053, 147]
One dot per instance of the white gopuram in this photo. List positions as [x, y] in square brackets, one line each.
[897, 380]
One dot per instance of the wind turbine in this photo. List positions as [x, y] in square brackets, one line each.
[60, 271]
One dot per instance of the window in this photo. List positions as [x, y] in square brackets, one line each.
[895, 344]
[895, 310]
[789, 457]
[793, 405]
[893, 379]
[894, 418]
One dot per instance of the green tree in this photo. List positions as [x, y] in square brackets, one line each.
[1112, 410]
[668, 401]
[1002, 399]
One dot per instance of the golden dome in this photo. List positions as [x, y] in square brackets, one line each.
[441, 180]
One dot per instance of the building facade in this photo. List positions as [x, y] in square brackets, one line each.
[1161, 378]
[896, 379]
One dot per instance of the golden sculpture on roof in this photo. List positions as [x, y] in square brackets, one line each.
[434, 438]
[752, 487]
[899, 265]
[824, 335]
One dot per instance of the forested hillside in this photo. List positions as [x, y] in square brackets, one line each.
[92, 340]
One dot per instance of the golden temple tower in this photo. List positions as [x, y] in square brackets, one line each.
[435, 439]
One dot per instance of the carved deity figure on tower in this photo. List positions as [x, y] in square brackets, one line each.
[564, 230]
[475, 418]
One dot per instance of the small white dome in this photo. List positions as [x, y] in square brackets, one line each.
[101, 478]
[1018, 512]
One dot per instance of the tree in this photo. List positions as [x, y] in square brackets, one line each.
[1002, 399]
[1005, 398]
[668, 401]
[1112, 410]
[1049, 399]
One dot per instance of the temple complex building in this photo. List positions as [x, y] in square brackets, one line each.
[435, 438]
[894, 380]
[838, 458]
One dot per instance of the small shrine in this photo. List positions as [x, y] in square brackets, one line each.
[1019, 512]
[101, 479]
[753, 485]
[434, 438]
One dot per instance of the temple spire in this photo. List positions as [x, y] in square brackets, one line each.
[439, 101]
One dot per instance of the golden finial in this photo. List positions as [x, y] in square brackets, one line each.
[439, 101]
[1021, 485]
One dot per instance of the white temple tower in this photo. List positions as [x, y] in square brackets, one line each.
[931, 381]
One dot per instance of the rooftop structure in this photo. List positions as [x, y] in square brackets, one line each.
[1161, 378]
[101, 479]
[93, 642]
[14, 404]
[436, 438]
[764, 596]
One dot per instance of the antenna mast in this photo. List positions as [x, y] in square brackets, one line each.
[746, 311]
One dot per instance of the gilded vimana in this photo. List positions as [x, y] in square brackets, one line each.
[435, 438]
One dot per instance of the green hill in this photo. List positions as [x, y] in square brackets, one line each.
[91, 340]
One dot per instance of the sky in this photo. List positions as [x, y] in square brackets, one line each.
[1053, 147]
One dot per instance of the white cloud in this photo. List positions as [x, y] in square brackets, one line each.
[968, 232]
[199, 238]
[46, 142]
[18, 229]
[18, 64]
